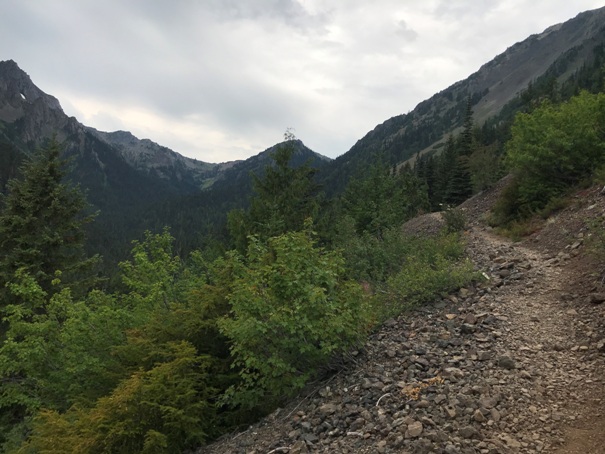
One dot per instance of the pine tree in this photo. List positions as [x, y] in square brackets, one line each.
[284, 198]
[459, 186]
[465, 141]
[42, 227]
[444, 167]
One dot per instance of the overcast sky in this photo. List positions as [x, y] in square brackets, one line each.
[220, 80]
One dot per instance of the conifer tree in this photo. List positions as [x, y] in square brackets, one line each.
[284, 198]
[459, 186]
[42, 227]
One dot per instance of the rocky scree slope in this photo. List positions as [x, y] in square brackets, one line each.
[514, 364]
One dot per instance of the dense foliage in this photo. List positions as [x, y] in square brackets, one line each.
[191, 344]
[41, 226]
[551, 149]
[188, 347]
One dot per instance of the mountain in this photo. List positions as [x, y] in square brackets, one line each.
[556, 54]
[138, 184]
[130, 181]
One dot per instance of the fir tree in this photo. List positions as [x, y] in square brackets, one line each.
[42, 227]
[459, 186]
[284, 198]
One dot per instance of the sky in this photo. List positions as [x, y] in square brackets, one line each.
[220, 80]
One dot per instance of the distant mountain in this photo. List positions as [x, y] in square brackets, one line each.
[558, 53]
[138, 184]
[135, 184]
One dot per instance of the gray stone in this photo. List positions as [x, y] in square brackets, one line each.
[506, 362]
[478, 416]
[595, 298]
[467, 328]
[467, 432]
[328, 409]
[300, 447]
[415, 429]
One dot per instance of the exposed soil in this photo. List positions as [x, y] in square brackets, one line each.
[513, 364]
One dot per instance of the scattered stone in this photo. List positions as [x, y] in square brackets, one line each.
[478, 416]
[467, 432]
[468, 374]
[506, 362]
[595, 298]
[415, 429]
[300, 447]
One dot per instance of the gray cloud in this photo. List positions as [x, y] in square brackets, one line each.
[404, 30]
[222, 79]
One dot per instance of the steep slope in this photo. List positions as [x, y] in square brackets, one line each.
[28, 116]
[557, 53]
[512, 364]
[204, 214]
[161, 162]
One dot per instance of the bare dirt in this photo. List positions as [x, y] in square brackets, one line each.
[514, 364]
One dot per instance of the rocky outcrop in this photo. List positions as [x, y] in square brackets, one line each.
[39, 114]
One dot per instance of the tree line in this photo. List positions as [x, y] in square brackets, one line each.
[186, 348]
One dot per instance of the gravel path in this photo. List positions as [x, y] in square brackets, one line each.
[514, 364]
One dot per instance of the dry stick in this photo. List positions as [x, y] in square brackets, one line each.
[354, 434]
[281, 449]
[384, 395]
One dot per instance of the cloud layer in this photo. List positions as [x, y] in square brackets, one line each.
[220, 80]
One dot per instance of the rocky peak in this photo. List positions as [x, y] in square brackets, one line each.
[17, 91]
[40, 114]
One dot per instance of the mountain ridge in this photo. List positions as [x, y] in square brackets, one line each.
[560, 49]
[127, 178]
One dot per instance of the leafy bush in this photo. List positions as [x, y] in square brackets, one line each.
[455, 221]
[552, 149]
[162, 410]
[433, 268]
[291, 311]
[56, 351]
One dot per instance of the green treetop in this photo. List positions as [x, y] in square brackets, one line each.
[42, 227]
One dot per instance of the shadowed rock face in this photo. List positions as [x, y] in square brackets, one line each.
[18, 92]
[38, 114]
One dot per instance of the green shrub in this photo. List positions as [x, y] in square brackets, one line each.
[291, 311]
[162, 410]
[550, 150]
[455, 221]
[435, 268]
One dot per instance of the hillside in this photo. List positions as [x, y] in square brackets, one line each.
[514, 364]
[494, 91]
[134, 184]
[138, 184]
[360, 321]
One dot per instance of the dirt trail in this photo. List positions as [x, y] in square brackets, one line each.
[515, 364]
[556, 334]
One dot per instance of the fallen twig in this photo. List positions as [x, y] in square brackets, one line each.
[381, 397]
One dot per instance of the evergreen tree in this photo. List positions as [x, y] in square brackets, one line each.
[284, 198]
[459, 186]
[465, 141]
[42, 227]
[445, 164]
[382, 200]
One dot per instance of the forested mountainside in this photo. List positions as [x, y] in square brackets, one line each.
[494, 93]
[207, 326]
[137, 184]
[134, 184]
